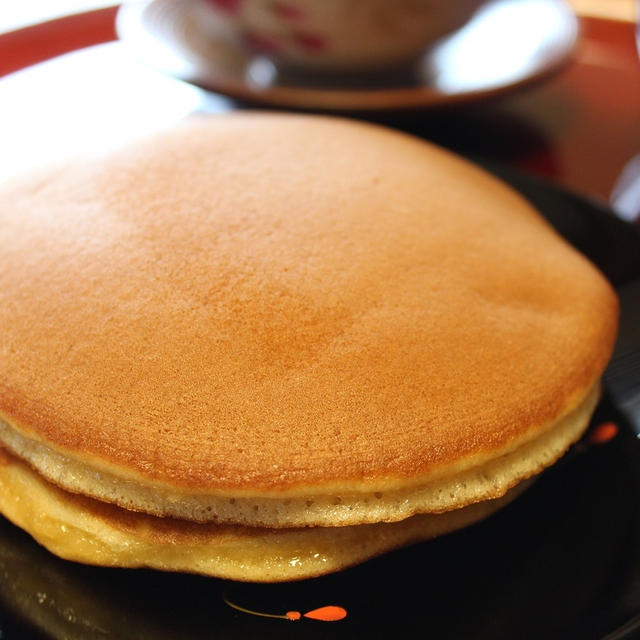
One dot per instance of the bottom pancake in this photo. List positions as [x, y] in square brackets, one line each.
[86, 530]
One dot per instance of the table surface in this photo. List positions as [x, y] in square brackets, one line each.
[580, 128]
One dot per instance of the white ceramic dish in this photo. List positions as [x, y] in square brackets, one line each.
[507, 44]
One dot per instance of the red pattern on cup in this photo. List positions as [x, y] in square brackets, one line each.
[311, 42]
[261, 43]
[228, 6]
[288, 11]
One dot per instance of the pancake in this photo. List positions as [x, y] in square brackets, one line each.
[282, 321]
[481, 482]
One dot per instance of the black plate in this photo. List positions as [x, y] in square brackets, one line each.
[563, 561]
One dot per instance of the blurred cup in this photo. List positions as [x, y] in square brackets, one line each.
[334, 36]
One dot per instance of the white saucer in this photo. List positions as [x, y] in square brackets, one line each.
[508, 44]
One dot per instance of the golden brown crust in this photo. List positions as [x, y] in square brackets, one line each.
[265, 302]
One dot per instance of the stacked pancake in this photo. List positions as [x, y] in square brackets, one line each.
[267, 347]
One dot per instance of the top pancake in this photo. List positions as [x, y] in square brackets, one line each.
[279, 305]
